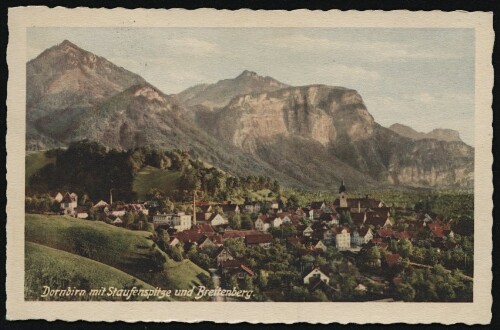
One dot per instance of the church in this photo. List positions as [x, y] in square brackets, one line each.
[363, 211]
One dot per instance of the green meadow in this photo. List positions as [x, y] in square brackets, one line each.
[132, 253]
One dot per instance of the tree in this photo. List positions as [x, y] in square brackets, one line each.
[262, 281]
[128, 219]
[248, 284]
[445, 292]
[418, 254]
[201, 259]
[371, 257]
[154, 194]
[345, 218]
[142, 217]
[320, 261]
[235, 246]
[174, 252]
[405, 248]
[431, 256]
[292, 202]
[464, 225]
[233, 282]
[406, 292]
[318, 295]
[297, 294]
[275, 186]
[246, 222]
[235, 221]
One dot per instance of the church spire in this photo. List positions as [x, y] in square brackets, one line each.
[343, 195]
[342, 187]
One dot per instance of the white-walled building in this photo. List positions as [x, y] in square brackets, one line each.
[316, 273]
[342, 238]
[179, 221]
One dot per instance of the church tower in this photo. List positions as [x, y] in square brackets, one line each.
[343, 195]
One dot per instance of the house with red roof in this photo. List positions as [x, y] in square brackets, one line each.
[384, 232]
[261, 239]
[398, 235]
[379, 242]
[392, 259]
[377, 220]
[203, 228]
[358, 218]
[235, 267]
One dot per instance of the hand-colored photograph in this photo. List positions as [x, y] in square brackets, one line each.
[249, 164]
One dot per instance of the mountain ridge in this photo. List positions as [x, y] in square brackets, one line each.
[441, 134]
[304, 136]
[217, 95]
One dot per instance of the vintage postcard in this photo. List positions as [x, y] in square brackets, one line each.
[258, 166]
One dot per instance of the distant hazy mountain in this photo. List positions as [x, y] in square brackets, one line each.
[441, 134]
[308, 137]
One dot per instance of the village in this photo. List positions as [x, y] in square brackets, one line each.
[349, 249]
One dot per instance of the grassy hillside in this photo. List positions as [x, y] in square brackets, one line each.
[35, 161]
[132, 252]
[151, 177]
[45, 266]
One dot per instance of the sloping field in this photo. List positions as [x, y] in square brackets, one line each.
[45, 266]
[35, 161]
[132, 252]
[151, 177]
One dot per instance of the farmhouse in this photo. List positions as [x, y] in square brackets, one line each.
[222, 255]
[69, 204]
[262, 223]
[217, 220]
[117, 222]
[314, 274]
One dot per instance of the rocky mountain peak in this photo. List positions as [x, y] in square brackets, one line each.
[148, 92]
[66, 76]
[247, 73]
[218, 95]
[66, 44]
[317, 113]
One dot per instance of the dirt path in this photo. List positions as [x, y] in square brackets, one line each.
[465, 277]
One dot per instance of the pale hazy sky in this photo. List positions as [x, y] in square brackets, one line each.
[423, 78]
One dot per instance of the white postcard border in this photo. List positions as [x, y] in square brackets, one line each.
[447, 313]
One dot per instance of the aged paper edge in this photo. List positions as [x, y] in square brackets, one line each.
[478, 312]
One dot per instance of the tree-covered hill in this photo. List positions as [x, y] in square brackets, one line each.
[92, 171]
